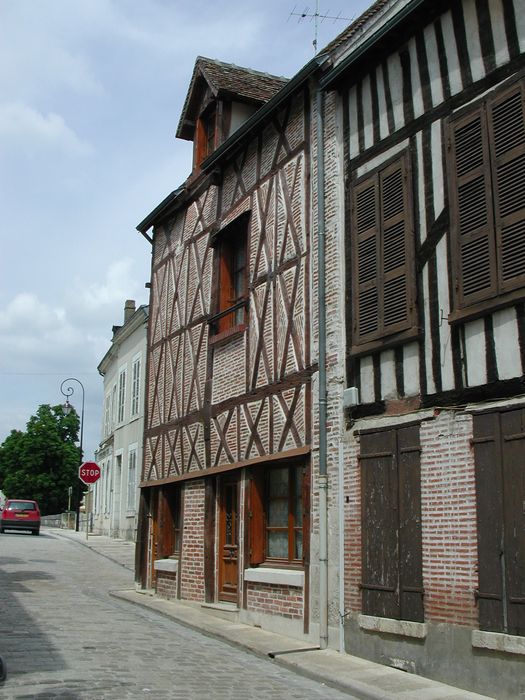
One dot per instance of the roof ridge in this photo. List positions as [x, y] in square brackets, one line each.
[245, 69]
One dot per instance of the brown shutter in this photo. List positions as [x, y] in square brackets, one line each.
[489, 489]
[471, 210]
[365, 252]
[513, 477]
[396, 248]
[257, 524]
[506, 118]
[410, 542]
[379, 524]
[306, 514]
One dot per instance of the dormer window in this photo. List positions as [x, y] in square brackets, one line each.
[205, 143]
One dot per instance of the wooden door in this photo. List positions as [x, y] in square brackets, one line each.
[228, 539]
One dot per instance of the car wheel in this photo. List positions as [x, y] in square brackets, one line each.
[35, 532]
[1, 529]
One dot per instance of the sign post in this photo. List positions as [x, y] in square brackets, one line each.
[88, 473]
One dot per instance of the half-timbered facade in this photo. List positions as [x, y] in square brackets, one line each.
[226, 476]
[425, 116]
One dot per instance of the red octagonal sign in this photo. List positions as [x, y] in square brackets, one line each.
[89, 472]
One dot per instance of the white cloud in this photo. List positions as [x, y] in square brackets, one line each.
[22, 127]
[120, 283]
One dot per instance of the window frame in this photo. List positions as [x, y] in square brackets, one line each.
[136, 367]
[258, 514]
[131, 500]
[229, 316]
[375, 276]
[121, 396]
[499, 292]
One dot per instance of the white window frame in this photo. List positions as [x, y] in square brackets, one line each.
[121, 395]
[136, 368]
[131, 502]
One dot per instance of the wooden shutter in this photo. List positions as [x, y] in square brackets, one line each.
[489, 491]
[471, 210]
[380, 524]
[306, 514]
[365, 252]
[410, 539]
[506, 119]
[257, 524]
[382, 254]
[513, 478]
[396, 248]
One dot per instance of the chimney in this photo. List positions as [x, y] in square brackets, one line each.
[129, 309]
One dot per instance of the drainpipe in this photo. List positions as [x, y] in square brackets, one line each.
[323, 477]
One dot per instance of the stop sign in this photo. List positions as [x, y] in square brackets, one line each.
[89, 472]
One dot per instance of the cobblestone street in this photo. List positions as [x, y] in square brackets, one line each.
[64, 636]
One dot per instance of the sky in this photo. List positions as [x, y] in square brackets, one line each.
[91, 92]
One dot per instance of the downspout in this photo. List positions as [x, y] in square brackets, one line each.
[321, 287]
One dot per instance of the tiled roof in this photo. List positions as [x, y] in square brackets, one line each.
[245, 83]
[356, 25]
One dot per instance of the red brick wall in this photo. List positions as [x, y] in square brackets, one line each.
[449, 519]
[166, 585]
[192, 559]
[285, 601]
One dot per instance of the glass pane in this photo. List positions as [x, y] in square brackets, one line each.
[278, 481]
[278, 545]
[298, 496]
[298, 545]
[278, 513]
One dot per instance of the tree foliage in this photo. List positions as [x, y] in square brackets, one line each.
[42, 462]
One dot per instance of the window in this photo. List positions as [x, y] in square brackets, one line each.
[107, 416]
[121, 395]
[392, 568]
[135, 386]
[205, 136]
[278, 498]
[132, 478]
[382, 249]
[231, 276]
[170, 520]
[499, 449]
[487, 207]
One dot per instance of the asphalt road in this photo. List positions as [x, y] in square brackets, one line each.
[63, 636]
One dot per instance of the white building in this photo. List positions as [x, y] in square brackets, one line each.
[116, 494]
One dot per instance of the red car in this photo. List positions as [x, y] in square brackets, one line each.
[20, 515]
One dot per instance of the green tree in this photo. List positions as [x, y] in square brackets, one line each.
[42, 462]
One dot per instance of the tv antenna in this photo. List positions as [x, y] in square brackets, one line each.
[315, 17]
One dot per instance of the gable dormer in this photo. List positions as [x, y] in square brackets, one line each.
[220, 98]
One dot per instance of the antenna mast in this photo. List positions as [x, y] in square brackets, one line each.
[316, 16]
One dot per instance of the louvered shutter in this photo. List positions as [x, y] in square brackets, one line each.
[471, 210]
[396, 243]
[506, 119]
[365, 252]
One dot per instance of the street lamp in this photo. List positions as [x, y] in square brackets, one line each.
[67, 408]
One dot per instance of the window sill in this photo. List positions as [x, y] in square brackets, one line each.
[385, 342]
[402, 628]
[227, 335]
[482, 308]
[497, 641]
[169, 565]
[280, 577]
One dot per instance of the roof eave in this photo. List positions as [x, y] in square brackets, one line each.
[332, 76]
[261, 114]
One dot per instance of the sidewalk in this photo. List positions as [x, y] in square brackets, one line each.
[358, 677]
